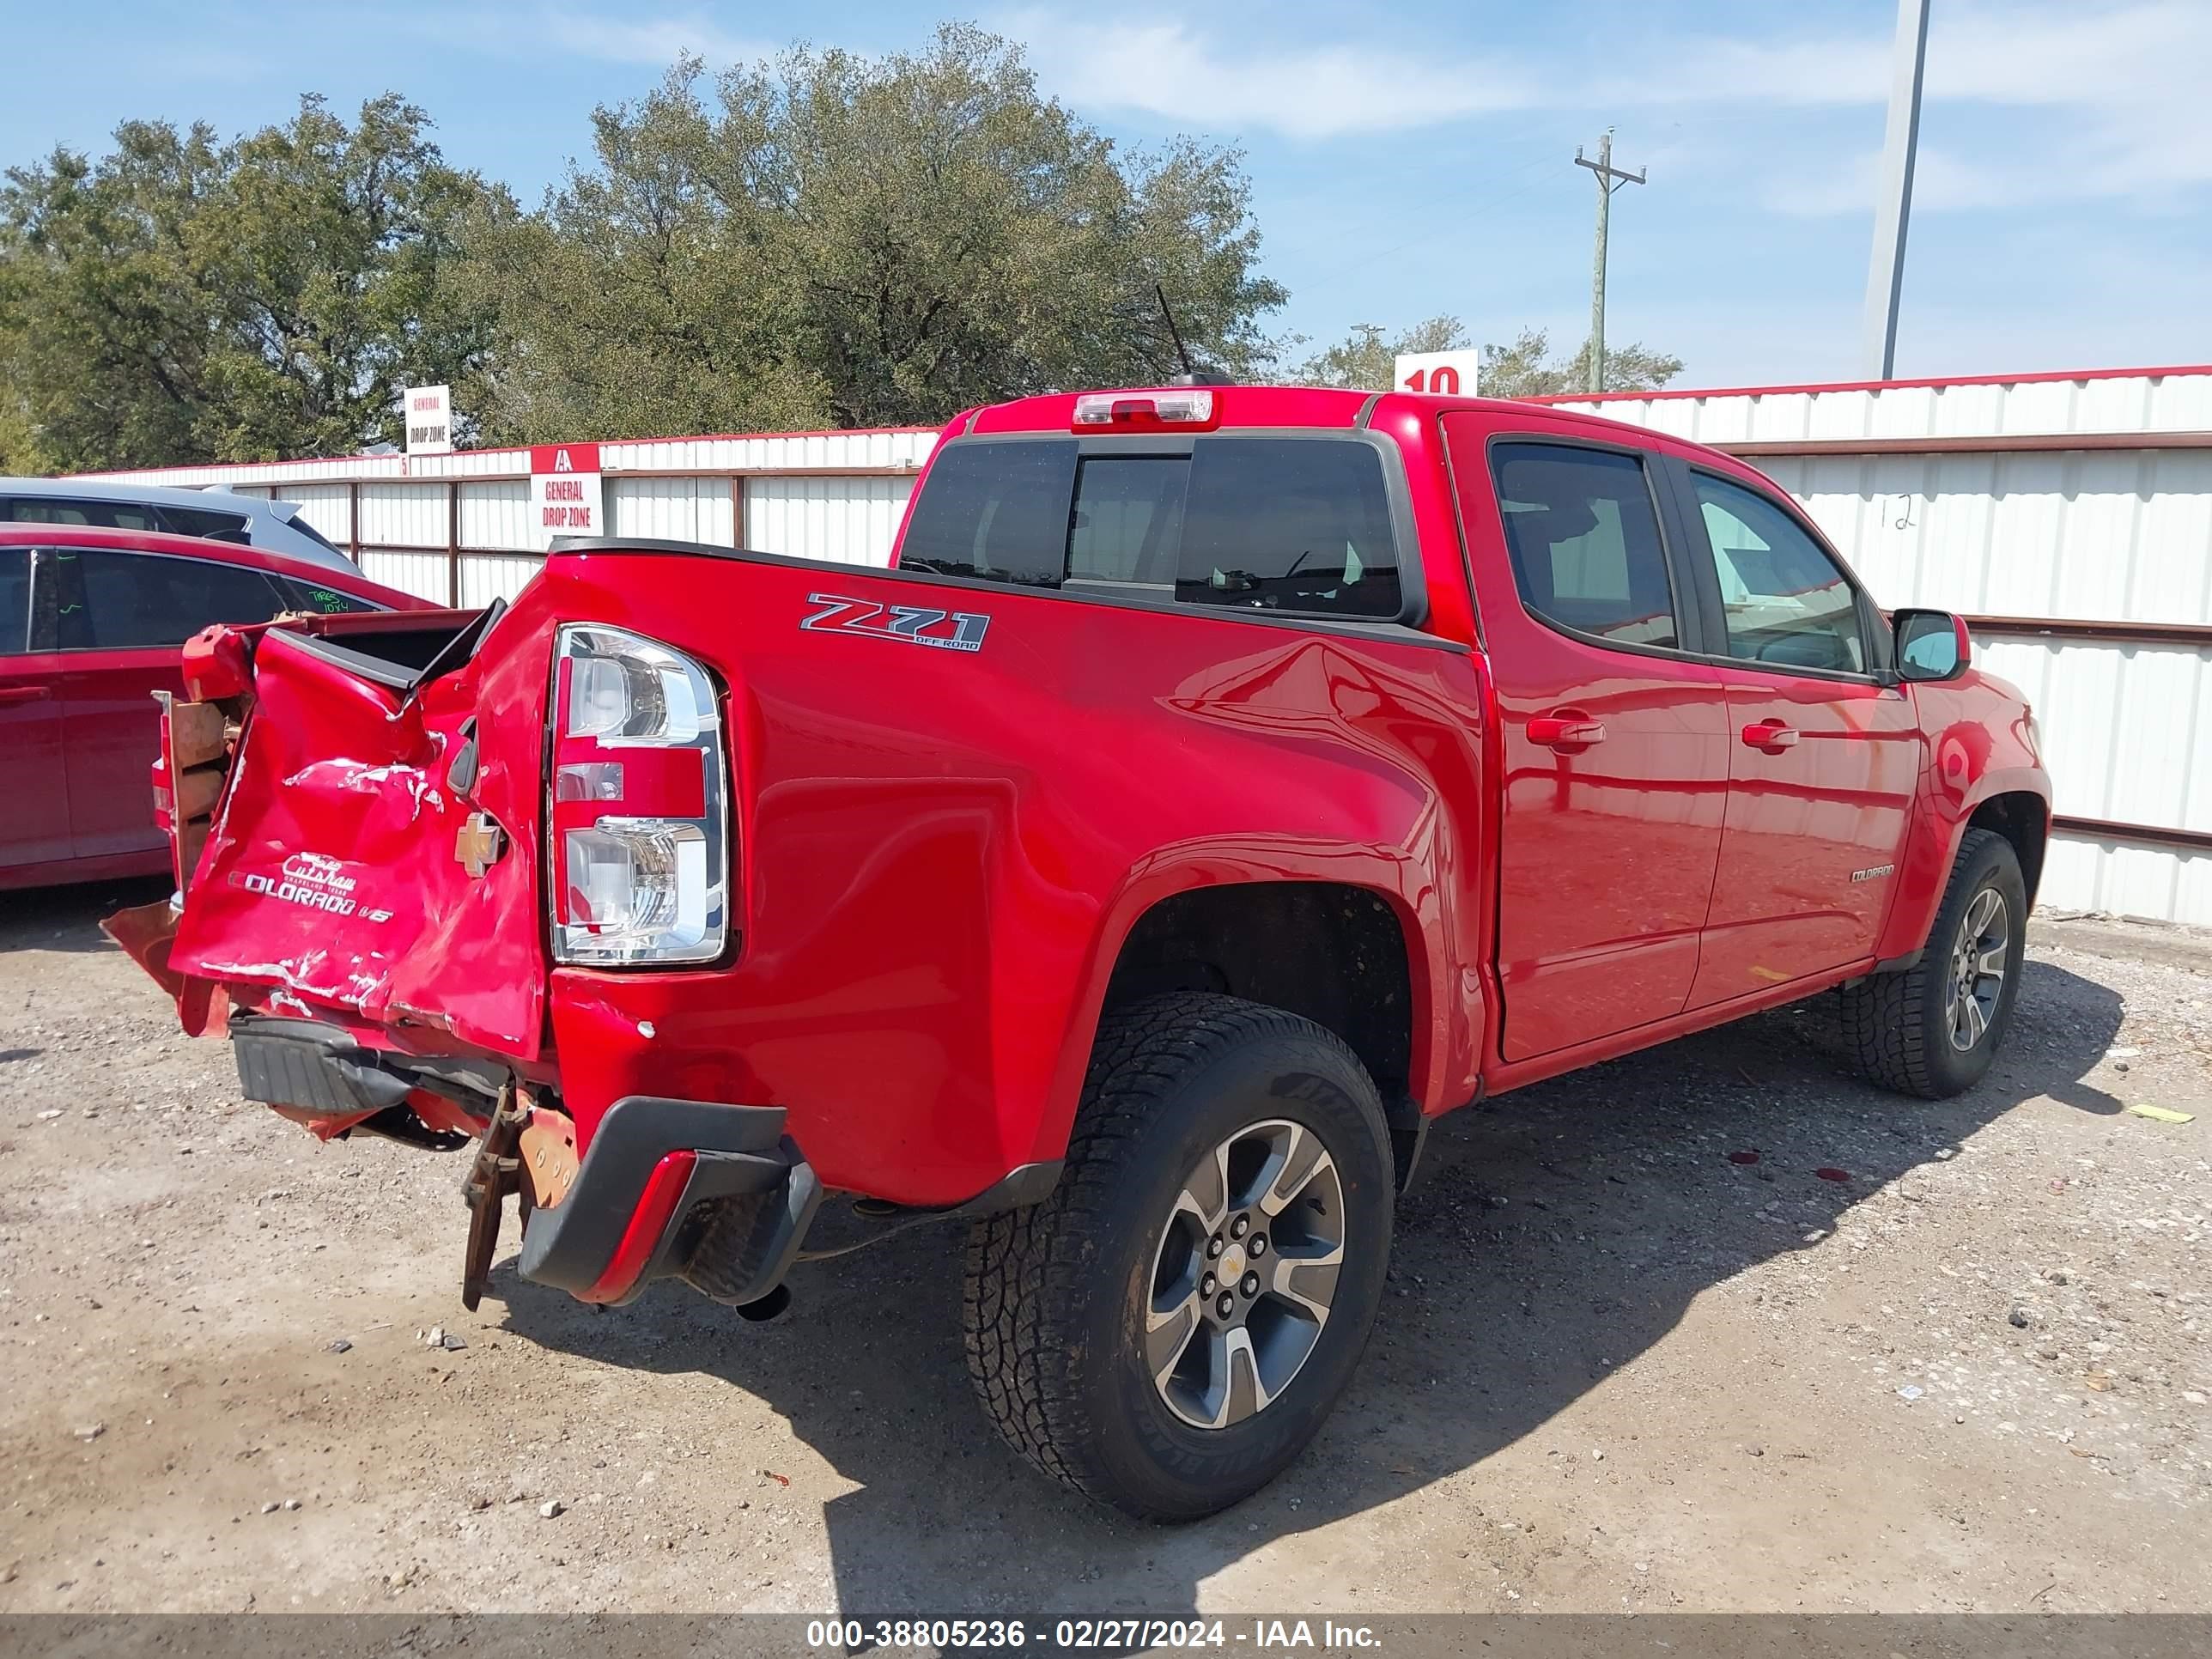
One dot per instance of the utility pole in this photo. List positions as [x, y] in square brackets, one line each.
[1886, 274]
[1609, 179]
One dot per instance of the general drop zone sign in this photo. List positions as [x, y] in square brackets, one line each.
[567, 494]
[430, 411]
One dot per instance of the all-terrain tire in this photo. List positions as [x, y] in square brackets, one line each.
[1896, 1025]
[1057, 1294]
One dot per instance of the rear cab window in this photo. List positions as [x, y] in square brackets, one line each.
[1296, 527]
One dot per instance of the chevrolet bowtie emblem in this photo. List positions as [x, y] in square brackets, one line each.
[480, 843]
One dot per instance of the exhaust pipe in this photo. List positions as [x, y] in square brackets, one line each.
[768, 1309]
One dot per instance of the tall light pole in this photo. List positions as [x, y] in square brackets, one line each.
[1893, 206]
[1609, 179]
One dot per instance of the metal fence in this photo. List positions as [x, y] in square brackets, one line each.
[2068, 516]
[455, 528]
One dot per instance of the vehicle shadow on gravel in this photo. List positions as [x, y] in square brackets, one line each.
[68, 918]
[1554, 1236]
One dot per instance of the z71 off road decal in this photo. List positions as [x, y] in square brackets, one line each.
[947, 630]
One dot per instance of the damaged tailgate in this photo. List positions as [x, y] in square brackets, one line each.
[374, 852]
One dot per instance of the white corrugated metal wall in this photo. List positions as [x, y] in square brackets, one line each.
[852, 519]
[693, 509]
[456, 528]
[2171, 400]
[2070, 515]
[495, 514]
[327, 507]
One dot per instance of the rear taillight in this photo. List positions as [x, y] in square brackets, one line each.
[640, 863]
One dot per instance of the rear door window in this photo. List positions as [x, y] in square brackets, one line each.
[1583, 539]
[1302, 525]
[323, 601]
[15, 601]
[116, 601]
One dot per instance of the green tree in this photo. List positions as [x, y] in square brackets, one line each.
[1524, 368]
[833, 240]
[184, 300]
[1363, 360]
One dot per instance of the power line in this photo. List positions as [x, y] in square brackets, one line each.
[1609, 179]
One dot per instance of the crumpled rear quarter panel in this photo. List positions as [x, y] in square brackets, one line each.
[330, 875]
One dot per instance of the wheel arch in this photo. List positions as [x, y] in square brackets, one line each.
[1352, 958]
[2014, 805]
[2022, 818]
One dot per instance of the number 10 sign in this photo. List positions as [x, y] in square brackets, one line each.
[1451, 372]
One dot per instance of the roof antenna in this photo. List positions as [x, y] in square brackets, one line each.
[1190, 376]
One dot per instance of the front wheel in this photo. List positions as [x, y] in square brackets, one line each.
[1170, 1328]
[1933, 1029]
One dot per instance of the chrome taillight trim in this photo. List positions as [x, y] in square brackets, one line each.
[573, 944]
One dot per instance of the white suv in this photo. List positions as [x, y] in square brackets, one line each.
[215, 514]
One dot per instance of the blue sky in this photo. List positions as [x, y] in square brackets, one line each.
[1412, 160]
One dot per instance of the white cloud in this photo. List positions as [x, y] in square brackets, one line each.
[2138, 63]
[1200, 82]
[2113, 101]
[1745, 73]
[604, 34]
[2103, 56]
[626, 38]
[1941, 179]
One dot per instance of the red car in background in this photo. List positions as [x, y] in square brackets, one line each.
[90, 624]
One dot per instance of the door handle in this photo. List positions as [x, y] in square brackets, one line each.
[1772, 736]
[21, 694]
[1565, 730]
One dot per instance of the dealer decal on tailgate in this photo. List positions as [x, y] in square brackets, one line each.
[948, 630]
[314, 881]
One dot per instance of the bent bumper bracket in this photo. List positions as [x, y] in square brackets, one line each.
[495, 1172]
[746, 1202]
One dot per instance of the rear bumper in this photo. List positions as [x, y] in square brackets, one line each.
[714, 1194]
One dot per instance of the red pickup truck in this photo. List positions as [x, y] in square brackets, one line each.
[1225, 782]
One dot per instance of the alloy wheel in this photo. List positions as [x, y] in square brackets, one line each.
[1978, 969]
[1245, 1274]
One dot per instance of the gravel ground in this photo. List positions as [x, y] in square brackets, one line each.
[1621, 1367]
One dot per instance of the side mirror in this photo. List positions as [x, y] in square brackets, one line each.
[1931, 644]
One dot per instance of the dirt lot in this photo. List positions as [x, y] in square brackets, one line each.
[1617, 1371]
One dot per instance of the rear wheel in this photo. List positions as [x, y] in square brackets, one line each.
[1933, 1029]
[1169, 1330]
